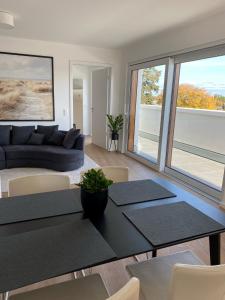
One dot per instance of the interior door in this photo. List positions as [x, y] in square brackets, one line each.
[100, 95]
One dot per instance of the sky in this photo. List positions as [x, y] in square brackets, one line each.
[25, 67]
[205, 73]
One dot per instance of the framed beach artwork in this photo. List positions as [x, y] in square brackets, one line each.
[26, 87]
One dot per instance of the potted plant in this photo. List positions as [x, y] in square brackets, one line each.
[94, 192]
[115, 124]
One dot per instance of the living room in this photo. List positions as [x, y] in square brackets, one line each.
[111, 131]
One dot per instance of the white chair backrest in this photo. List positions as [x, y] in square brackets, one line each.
[129, 292]
[37, 184]
[197, 282]
[117, 174]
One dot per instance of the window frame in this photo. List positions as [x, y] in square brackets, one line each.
[167, 122]
[162, 138]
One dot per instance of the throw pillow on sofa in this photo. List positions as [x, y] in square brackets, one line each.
[70, 138]
[4, 135]
[21, 134]
[36, 139]
[47, 131]
[57, 138]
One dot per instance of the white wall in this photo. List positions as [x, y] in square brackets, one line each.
[201, 128]
[150, 118]
[63, 54]
[197, 127]
[206, 31]
[199, 34]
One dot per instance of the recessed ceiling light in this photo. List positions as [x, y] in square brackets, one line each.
[6, 20]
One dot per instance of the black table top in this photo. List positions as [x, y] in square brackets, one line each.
[48, 252]
[172, 223]
[41, 205]
[131, 192]
[119, 233]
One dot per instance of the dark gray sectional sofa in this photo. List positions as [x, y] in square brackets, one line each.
[44, 147]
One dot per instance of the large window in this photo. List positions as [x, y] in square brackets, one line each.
[147, 90]
[198, 145]
[179, 108]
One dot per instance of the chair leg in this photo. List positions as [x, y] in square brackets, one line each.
[154, 254]
[5, 296]
[136, 258]
[90, 270]
[76, 275]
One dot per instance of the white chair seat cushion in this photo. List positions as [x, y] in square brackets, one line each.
[87, 288]
[155, 274]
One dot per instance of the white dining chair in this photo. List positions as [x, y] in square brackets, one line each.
[115, 173]
[180, 276]
[86, 288]
[197, 282]
[37, 184]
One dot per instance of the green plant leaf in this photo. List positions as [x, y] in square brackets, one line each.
[115, 123]
[94, 181]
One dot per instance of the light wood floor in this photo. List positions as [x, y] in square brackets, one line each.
[114, 274]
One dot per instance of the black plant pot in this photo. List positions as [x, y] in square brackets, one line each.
[94, 204]
[115, 136]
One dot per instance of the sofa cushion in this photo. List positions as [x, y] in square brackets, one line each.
[79, 144]
[2, 164]
[43, 152]
[70, 138]
[36, 139]
[47, 131]
[2, 154]
[5, 134]
[57, 138]
[21, 134]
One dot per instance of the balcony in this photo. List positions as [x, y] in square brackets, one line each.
[199, 143]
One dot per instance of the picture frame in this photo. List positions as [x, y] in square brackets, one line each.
[26, 87]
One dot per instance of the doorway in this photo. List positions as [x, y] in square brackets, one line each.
[91, 101]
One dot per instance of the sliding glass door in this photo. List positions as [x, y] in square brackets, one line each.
[177, 117]
[146, 100]
[197, 144]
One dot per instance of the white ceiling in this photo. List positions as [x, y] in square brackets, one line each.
[102, 23]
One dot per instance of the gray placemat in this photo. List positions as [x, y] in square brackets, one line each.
[36, 206]
[131, 192]
[169, 223]
[37, 255]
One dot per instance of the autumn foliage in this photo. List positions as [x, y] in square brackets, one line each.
[190, 96]
[194, 97]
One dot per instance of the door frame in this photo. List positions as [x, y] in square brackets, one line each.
[93, 64]
[109, 79]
